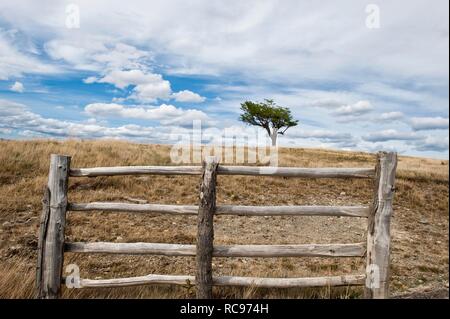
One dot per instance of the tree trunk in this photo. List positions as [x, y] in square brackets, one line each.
[273, 137]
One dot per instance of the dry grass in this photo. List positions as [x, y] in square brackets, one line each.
[419, 225]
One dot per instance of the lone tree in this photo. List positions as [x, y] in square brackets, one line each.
[273, 118]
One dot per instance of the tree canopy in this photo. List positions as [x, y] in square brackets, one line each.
[268, 115]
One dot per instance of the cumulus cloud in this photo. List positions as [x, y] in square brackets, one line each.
[17, 87]
[391, 135]
[392, 116]
[433, 144]
[148, 87]
[16, 116]
[124, 78]
[188, 96]
[166, 114]
[92, 54]
[356, 109]
[121, 65]
[150, 92]
[429, 123]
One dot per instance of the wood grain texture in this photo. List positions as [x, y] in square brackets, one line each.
[346, 280]
[136, 170]
[378, 234]
[226, 170]
[304, 250]
[52, 241]
[345, 211]
[41, 241]
[135, 208]
[297, 172]
[205, 228]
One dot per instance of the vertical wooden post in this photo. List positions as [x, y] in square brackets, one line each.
[205, 228]
[53, 221]
[378, 233]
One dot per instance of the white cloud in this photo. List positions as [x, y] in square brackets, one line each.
[96, 54]
[326, 136]
[322, 134]
[252, 37]
[391, 135]
[433, 144]
[18, 116]
[9, 108]
[90, 80]
[410, 95]
[384, 90]
[124, 78]
[429, 123]
[14, 62]
[5, 131]
[17, 87]
[332, 65]
[188, 96]
[356, 109]
[331, 103]
[392, 116]
[166, 114]
[150, 92]
[148, 87]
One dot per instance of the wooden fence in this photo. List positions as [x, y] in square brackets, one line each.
[375, 279]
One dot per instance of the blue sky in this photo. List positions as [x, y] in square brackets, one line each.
[145, 70]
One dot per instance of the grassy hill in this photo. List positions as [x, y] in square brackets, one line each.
[419, 225]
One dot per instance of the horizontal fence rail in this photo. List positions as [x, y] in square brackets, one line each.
[349, 211]
[306, 250]
[135, 170]
[297, 171]
[346, 280]
[135, 208]
[226, 170]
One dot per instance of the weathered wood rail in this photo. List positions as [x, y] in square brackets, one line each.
[308, 250]
[355, 211]
[347, 280]
[52, 246]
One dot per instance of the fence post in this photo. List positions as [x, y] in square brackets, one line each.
[205, 228]
[378, 233]
[51, 237]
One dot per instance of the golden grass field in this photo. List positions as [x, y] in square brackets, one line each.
[419, 259]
